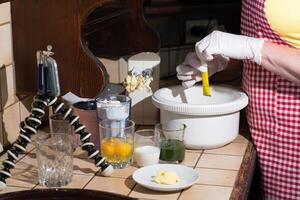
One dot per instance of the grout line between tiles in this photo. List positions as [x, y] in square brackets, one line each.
[36, 185]
[94, 175]
[240, 142]
[15, 102]
[135, 184]
[215, 185]
[20, 157]
[218, 168]
[244, 142]
[198, 160]
[81, 174]
[6, 65]
[4, 23]
[117, 177]
[225, 154]
[180, 194]
[89, 181]
[187, 151]
[20, 187]
[234, 170]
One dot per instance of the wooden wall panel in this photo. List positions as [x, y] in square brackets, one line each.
[64, 24]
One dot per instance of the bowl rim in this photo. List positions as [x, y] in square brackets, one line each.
[194, 109]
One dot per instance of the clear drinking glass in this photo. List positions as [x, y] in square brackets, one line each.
[117, 142]
[113, 108]
[55, 159]
[58, 124]
[171, 141]
[146, 147]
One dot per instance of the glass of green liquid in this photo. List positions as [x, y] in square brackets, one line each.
[171, 141]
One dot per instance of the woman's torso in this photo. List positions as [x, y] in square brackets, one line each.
[273, 112]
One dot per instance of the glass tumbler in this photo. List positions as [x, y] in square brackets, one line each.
[171, 141]
[116, 142]
[58, 124]
[114, 109]
[146, 147]
[55, 159]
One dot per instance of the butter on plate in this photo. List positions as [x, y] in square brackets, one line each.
[166, 177]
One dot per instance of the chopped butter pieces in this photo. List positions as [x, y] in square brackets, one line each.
[166, 177]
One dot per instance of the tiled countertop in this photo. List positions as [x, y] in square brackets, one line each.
[218, 170]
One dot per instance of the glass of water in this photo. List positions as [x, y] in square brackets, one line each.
[114, 109]
[55, 159]
[58, 124]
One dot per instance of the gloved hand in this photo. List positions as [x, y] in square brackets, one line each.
[229, 45]
[188, 72]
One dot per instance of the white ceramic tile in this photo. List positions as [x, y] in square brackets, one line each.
[4, 12]
[25, 107]
[8, 86]
[124, 173]
[241, 139]
[11, 121]
[23, 178]
[78, 182]
[84, 166]
[5, 44]
[230, 149]
[206, 192]
[28, 161]
[140, 192]
[4, 157]
[108, 184]
[216, 177]
[215, 161]
[191, 159]
[13, 189]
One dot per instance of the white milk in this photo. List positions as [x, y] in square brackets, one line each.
[146, 155]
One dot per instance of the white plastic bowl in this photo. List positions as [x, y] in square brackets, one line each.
[211, 121]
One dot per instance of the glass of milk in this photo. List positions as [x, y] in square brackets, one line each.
[146, 148]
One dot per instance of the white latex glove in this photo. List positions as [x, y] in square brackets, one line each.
[229, 45]
[188, 72]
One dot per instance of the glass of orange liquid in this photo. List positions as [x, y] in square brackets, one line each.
[116, 142]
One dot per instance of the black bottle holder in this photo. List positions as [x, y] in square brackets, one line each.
[32, 123]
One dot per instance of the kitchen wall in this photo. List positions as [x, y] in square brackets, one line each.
[12, 108]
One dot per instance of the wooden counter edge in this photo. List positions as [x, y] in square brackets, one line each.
[245, 175]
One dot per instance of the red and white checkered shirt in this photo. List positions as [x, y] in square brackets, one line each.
[273, 112]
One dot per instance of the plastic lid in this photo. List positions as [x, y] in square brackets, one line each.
[191, 101]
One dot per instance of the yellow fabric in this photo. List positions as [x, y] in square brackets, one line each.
[284, 18]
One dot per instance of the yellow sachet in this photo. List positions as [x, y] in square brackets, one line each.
[205, 81]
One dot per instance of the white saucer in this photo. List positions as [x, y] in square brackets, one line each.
[144, 176]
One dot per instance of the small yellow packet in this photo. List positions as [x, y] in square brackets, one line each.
[205, 82]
